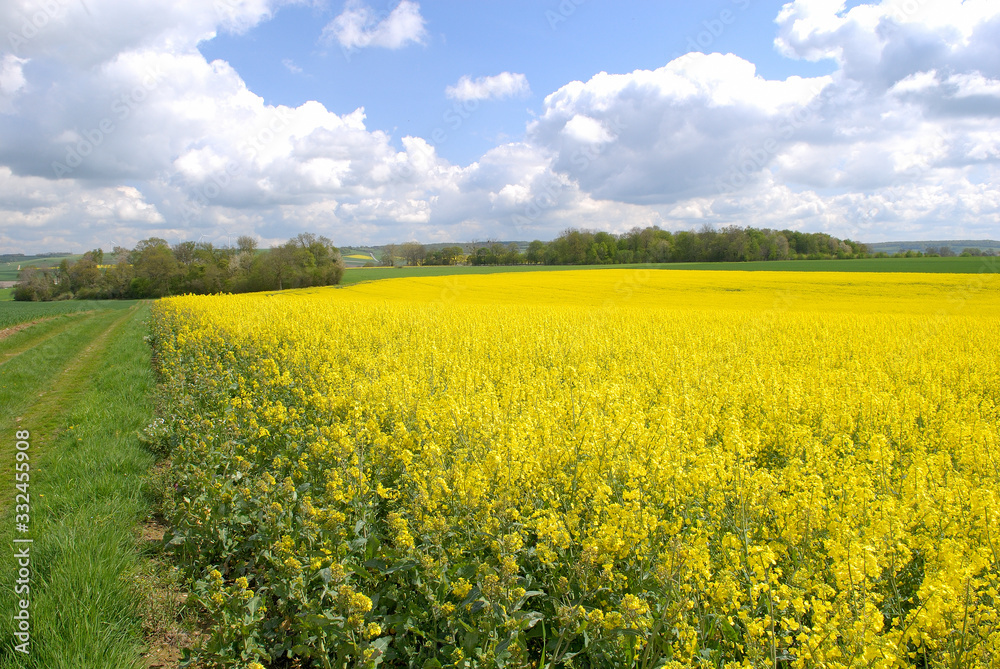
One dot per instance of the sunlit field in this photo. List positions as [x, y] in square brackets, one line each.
[616, 468]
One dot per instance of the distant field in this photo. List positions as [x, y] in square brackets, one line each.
[8, 270]
[6, 294]
[933, 265]
[956, 245]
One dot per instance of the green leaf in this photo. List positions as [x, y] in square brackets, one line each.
[319, 621]
[728, 630]
[401, 566]
[471, 597]
[503, 645]
[376, 563]
[532, 618]
[470, 641]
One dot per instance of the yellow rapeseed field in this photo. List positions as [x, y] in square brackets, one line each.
[600, 468]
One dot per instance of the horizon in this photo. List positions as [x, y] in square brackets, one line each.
[44, 254]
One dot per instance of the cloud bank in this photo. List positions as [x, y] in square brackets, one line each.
[113, 126]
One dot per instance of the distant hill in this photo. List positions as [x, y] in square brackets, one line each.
[956, 245]
[11, 262]
[20, 257]
[358, 256]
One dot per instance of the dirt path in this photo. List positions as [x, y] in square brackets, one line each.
[6, 332]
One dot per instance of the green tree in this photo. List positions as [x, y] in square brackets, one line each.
[451, 255]
[156, 268]
[413, 253]
[389, 255]
[118, 277]
[535, 253]
[85, 277]
[35, 285]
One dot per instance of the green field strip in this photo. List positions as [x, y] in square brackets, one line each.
[959, 265]
[88, 492]
[16, 313]
[36, 333]
[41, 385]
[33, 371]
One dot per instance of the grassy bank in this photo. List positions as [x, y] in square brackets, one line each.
[81, 385]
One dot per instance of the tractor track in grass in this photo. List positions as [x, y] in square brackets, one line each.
[53, 396]
[14, 329]
[71, 319]
[102, 594]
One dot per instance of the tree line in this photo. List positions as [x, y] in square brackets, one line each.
[639, 245]
[154, 268]
[653, 245]
[948, 252]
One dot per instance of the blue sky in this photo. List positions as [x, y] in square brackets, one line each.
[286, 61]
[373, 122]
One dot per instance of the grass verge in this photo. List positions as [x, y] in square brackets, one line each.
[89, 490]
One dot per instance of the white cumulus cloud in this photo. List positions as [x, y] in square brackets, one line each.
[359, 26]
[503, 85]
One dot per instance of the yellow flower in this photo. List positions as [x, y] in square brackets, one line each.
[784, 453]
[461, 588]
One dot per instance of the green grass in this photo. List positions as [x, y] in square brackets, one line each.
[6, 294]
[82, 385]
[950, 265]
[13, 313]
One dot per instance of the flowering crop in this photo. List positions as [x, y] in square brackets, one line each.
[603, 468]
